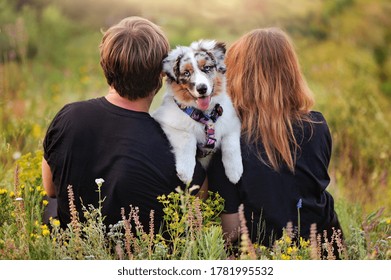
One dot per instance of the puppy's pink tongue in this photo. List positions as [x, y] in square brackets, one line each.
[203, 103]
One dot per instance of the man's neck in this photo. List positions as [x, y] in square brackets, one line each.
[139, 105]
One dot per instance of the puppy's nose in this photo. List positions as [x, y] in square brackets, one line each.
[201, 88]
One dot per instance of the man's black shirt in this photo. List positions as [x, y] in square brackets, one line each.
[95, 139]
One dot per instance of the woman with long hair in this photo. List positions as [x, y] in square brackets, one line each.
[286, 147]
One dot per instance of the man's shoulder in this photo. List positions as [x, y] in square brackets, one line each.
[79, 107]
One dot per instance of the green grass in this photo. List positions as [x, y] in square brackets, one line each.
[53, 60]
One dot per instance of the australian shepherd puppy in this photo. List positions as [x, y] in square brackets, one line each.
[196, 113]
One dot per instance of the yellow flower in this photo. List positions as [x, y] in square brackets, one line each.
[304, 243]
[43, 193]
[12, 194]
[291, 250]
[3, 191]
[45, 232]
[55, 223]
[285, 257]
[388, 221]
[45, 202]
[44, 227]
[287, 239]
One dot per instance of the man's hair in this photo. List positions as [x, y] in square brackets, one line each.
[131, 54]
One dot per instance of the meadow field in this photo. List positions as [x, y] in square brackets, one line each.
[49, 57]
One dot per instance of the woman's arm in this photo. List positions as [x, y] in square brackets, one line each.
[47, 179]
[231, 226]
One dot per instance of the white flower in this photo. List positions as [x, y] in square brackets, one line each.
[18, 199]
[16, 155]
[99, 182]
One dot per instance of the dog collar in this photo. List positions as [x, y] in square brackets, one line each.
[208, 120]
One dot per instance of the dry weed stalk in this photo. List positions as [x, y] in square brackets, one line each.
[75, 223]
[315, 244]
[128, 234]
[151, 231]
[246, 246]
[198, 214]
[329, 245]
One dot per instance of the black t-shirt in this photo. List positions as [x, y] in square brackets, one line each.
[271, 198]
[128, 149]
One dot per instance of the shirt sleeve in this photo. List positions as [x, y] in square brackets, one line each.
[55, 134]
[218, 182]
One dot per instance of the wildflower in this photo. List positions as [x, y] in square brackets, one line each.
[12, 194]
[45, 230]
[292, 250]
[304, 243]
[388, 221]
[3, 191]
[285, 257]
[18, 199]
[55, 223]
[287, 240]
[45, 202]
[43, 193]
[99, 182]
[16, 155]
[299, 204]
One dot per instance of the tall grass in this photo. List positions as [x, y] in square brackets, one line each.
[191, 230]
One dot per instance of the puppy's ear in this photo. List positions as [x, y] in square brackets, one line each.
[219, 54]
[168, 68]
[171, 64]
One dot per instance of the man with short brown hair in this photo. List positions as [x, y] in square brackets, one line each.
[114, 137]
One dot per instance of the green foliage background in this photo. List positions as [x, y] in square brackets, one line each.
[49, 57]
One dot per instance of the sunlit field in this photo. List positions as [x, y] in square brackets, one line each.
[49, 57]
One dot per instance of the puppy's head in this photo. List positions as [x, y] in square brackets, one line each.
[195, 73]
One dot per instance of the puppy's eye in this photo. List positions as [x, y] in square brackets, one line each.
[186, 73]
[207, 68]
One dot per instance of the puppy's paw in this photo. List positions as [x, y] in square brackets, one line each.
[185, 174]
[234, 172]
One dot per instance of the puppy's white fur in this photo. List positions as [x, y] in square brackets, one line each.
[184, 133]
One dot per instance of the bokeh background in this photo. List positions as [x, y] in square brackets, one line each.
[49, 57]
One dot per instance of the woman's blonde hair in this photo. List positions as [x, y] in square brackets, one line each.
[269, 93]
[131, 54]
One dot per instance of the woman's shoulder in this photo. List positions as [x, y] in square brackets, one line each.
[316, 116]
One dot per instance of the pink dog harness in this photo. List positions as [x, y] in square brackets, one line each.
[208, 120]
